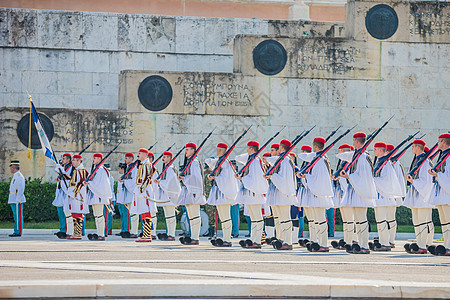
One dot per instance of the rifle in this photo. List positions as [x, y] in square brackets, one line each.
[151, 147]
[280, 159]
[444, 157]
[397, 157]
[183, 172]
[360, 151]
[320, 154]
[134, 164]
[170, 163]
[225, 156]
[101, 162]
[420, 163]
[158, 159]
[379, 167]
[331, 134]
[259, 152]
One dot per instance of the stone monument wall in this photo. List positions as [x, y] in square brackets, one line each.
[138, 79]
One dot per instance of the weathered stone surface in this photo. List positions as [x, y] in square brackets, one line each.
[190, 34]
[16, 59]
[3, 28]
[57, 60]
[75, 83]
[418, 21]
[304, 29]
[100, 31]
[126, 61]
[22, 28]
[60, 29]
[219, 36]
[39, 82]
[314, 58]
[160, 62]
[131, 32]
[202, 93]
[92, 61]
[160, 34]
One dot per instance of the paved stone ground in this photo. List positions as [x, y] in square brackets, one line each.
[43, 266]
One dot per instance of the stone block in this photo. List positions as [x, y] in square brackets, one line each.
[92, 61]
[132, 34]
[219, 35]
[316, 92]
[418, 21]
[160, 61]
[356, 93]
[374, 117]
[279, 91]
[3, 27]
[220, 63]
[75, 83]
[337, 93]
[10, 82]
[100, 31]
[304, 29]
[57, 60]
[160, 31]
[440, 99]
[200, 93]
[406, 118]
[382, 94]
[174, 124]
[22, 28]
[319, 58]
[96, 102]
[105, 84]
[120, 61]
[16, 59]
[252, 26]
[298, 91]
[39, 82]
[189, 35]
[192, 63]
[60, 101]
[60, 29]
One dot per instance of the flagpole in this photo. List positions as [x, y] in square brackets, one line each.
[29, 132]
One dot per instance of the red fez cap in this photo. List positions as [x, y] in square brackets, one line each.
[380, 145]
[359, 134]
[286, 142]
[352, 148]
[191, 145]
[267, 154]
[143, 150]
[445, 136]
[320, 139]
[98, 155]
[293, 154]
[151, 154]
[345, 146]
[77, 156]
[306, 148]
[390, 147]
[419, 142]
[253, 143]
[67, 155]
[168, 153]
[129, 154]
[275, 146]
[426, 149]
[222, 145]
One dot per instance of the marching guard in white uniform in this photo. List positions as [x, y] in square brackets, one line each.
[252, 188]
[420, 185]
[167, 190]
[282, 194]
[361, 192]
[223, 193]
[388, 189]
[440, 194]
[319, 193]
[191, 195]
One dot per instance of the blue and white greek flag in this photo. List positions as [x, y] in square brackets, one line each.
[48, 152]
